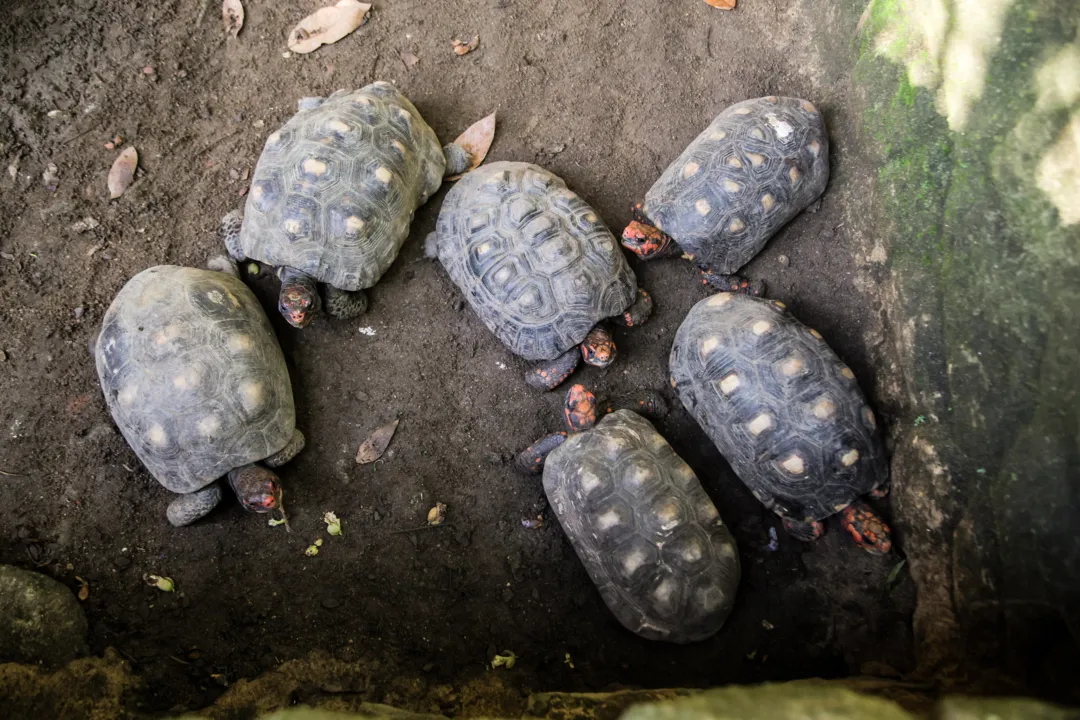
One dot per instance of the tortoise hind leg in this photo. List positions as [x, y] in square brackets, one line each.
[531, 459]
[866, 528]
[549, 375]
[804, 530]
[637, 313]
[189, 507]
[292, 449]
[230, 234]
[345, 304]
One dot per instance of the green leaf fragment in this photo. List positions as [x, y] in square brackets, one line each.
[506, 660]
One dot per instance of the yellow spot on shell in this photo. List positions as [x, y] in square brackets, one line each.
[667, 514]
[608, 520]
[731, 186]
[672, 380]
[166, 334]
[791, 365]
[314, 166]
[291, 226]
[383, 175]
[209, 425]
[703, 206]
[338, 126]
[590, 217]
[240, 343]
[795, 175]
[690, 169]
[742, 111]
[815, 147]
[734, 162]
[815, 333]
[127, 395]
[736, 225]
[709, 345]
[846, 372]
[156, 435]
[273, 139]
[761, 327]
[771, 98]
[353, 224]
[767, 202]
[779, 304]
[850, 457]
[729, 384]
[808, 106]
[252, 395]
[761, 423]
[824, 409]
[718, 135]
[719, 299]
[484, 249]
[257, 192]
[757, 134]
[398, 146]
[868, 418]
[589, 481]
[794, 464]
[756, 159]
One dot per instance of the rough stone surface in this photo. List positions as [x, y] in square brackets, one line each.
[40, 620]
[973, 124]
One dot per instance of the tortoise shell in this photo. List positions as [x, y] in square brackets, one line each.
[535, 262]
[779, 404]
[336, 187]
[193, 375]
[759, 164]
[649, 536]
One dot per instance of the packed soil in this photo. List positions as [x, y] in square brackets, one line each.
[603, 93]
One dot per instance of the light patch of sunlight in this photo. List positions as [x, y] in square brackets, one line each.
[915, 36]
[1058, 80]
[1059, 172]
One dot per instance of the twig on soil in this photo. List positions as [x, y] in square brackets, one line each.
[9, 474]
[421, 527]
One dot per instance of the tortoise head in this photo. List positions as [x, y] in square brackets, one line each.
[257, 488]
[598, 347]
[580, 408]
[646, 241]
[299, 299]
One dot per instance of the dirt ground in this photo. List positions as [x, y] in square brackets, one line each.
[603, 93]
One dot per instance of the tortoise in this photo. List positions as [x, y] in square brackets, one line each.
[196, 381]
[758, 165]
[539, 267]
[635, 513]
[333, 195]
[785, 412]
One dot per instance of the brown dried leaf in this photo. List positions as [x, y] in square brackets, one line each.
[373, 448]
[232, 12]
[722, 4]
[122, 172]
[409, 58]
[462, 47]
[328, 25]
[84, 589]
[477, 141]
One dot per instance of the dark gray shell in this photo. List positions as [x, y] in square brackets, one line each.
[779, 404]
[336, 187]
[535, 262]
[758, 165]
[649, 536]
[193, 375]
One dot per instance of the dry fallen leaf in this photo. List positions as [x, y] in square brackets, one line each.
[477, 141]
[84, 589]
[376, 445]
[722, 4]
[123, 172]
[409, 58]
[232, 12]
[328, 25]
[461, 47]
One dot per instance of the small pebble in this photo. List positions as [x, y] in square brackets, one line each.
[507, 595]
[330, 603]
[784, 260]
[122, 562]
[78, 312]
[148, 70]
[459, 304]
[181, 73]
[3, 356]
[110, 145]
[286, 54]
[428, 667]
[257, 124]
[7, 256]
[234, 174]
[376, 516]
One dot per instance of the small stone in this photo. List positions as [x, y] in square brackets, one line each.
[122, 562]
[428, 667]
[7, 256]
[376, 516]
[330, 603]
[40, 619]
[78, 312]
[234, 174]
[784, 260]
[244, 174]
[3, 356]
[459, 304]
[181, 73]
[110, 145]
[148, 70]
[257, 124]
[507, 595]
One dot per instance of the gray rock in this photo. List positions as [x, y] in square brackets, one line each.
[40, 620]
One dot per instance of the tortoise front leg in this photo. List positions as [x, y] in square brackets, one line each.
[732, 283]
[549, 375]
[345, 304]
[292, 449]
[866, 528]
[531, 459]
[637, 313]
[189, 507]
[230, 234]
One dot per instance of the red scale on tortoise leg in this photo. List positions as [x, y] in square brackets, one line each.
[867, 529]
